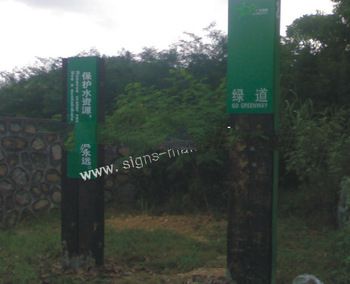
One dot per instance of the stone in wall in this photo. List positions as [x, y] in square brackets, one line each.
[45, 188]
[2, 127]
[37, 176]
[35, 190]
[56, 152]
[26, 161]
[23, 198]
[13, 143]
[39, 160]
[9, 203]
[38, 144]
[56, 196]
[3, 170]
[41, 205]
[6, 187]
[30, 129]
[19, 176]
[12, 159]
[53, 176]
[15, 127]
[51, 137]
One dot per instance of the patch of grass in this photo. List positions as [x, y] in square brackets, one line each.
[312, 205]
[31, 252]
[166, 247]
[158, 250]
[308, 240]
[23, 249]
[304, 249]
[340, 264]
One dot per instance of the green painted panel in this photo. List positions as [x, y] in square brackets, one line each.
[252, 42]
[82, 95]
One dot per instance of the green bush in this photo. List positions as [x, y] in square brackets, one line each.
[315, 147]
[146, 118]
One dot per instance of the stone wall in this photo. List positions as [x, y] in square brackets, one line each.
[30, 158]
[30, 169]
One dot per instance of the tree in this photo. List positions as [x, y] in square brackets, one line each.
[342, 9]
[205, 58]
[316, 62]
[146, 117]
[33, 91]
[40, 87]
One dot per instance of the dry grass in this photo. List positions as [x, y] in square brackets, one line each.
[197, 227]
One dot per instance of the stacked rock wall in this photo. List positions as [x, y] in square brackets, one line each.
[30, 157]
[30, 169]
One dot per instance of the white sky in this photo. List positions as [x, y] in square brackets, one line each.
[63, 28]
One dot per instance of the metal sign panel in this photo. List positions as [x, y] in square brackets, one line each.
[252, 37]
[82, 93]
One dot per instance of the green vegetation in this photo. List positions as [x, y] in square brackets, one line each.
[157, 96]
[24, 250]
[32, 252]
[137, 254]
[303, 248]
[159, 250]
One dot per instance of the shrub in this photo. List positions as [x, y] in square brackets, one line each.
[315, 147]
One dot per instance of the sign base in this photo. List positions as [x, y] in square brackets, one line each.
[250, 228]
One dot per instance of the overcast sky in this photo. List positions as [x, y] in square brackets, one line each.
[63, 28]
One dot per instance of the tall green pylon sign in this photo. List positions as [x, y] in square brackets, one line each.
[82, 206]
[252, 102]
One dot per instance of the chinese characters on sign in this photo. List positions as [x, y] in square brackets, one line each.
[86, 94]
[85, 151]
[82, 113]
[252, 44]
[76, 88]
[237, 97]
[260, 99]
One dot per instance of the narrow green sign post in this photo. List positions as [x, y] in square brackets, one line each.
[82, 203]
[82, 90]
[252, 102]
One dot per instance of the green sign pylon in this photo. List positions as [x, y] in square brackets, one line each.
[82, 205]
[253, 104]
[82, 93]
[253, 36]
